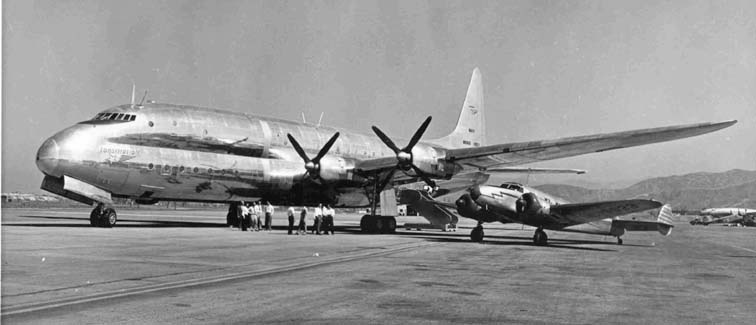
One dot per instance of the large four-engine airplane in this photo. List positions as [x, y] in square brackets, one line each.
[153, 152]
[724, 215]
[514, 203]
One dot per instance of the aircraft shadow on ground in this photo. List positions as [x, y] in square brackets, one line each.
[84, 223]
[450, 237]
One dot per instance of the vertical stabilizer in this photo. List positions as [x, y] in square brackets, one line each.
[664, 220]
[471, 128]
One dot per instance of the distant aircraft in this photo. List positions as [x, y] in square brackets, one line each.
[152, 152]
[724, 215]
[515, 203]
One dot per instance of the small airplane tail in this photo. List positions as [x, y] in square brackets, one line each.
[471, 128]
[664, 220]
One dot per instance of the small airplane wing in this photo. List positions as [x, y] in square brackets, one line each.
[527, 152]
[533, 170]
[577, 213]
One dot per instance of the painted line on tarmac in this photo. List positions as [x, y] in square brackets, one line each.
[743, 248]
[120, 293]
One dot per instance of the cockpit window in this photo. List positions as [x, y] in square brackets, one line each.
[513, 187]
[113, 117]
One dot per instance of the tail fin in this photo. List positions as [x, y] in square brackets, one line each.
[664, 220]
[471, 127]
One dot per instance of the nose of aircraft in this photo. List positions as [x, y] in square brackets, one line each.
[47, 157]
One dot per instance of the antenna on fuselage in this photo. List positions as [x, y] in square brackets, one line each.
[304, 120]
[133, 91]
[320, 119]
[143, 97]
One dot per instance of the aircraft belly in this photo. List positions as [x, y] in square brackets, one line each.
[602, 227]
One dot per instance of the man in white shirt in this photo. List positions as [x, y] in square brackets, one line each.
[242, 215]
[318, 218]
[328, 219]
[259, 212]
[302, 221]
[290, 214]
[268, 217]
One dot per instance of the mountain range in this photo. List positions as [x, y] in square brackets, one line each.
[690, 192]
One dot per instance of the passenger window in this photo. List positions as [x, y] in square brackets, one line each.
[119, 116]
[133, 117]
[113, 116]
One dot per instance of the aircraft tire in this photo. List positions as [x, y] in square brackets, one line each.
[476, 235]
[109, 218]
[367, 224]
[540, 238]
[94, 219]
[390, 225]
[619, 241]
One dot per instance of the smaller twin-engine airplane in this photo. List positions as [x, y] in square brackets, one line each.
[724, 215]
[515, 203]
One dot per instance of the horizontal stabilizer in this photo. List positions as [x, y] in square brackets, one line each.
[437, 213]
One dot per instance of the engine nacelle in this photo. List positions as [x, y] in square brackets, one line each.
[528, 203]
[468, 208]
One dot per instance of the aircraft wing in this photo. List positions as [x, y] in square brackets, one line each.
[577, 213]
[527, 152]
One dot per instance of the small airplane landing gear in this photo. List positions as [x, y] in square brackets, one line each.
[476, 235]
[619, 241]
[540, 238]
[376, 224]
[103, 217]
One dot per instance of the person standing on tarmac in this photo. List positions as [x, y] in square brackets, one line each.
[269, 216]
[318, 218]
[259, 211]
[252, 217]
[290, 214]
[248, 216]
[328, 219]
[241, 212]
[302, 230]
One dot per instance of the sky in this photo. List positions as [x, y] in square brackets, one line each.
[550, 69]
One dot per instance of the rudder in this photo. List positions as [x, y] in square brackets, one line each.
[664, 220]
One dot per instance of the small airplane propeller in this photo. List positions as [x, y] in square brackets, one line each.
[404, 155]
[312, 165]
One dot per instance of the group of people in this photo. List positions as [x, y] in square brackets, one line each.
[322, 224]
[250, 216]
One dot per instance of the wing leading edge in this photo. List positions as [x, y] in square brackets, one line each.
[533, 151]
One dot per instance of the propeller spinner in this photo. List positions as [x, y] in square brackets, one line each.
[312, 165]
[404, 156]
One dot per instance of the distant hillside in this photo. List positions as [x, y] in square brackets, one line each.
[734, 188]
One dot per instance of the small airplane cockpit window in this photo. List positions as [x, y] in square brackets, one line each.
[513, 187]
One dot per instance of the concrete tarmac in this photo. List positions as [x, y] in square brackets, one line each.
[186, 266]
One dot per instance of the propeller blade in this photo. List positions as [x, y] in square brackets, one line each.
[385, 181]
[418, 134]
[386, 139]
[422, 175]
[298, 148]
[325, 148]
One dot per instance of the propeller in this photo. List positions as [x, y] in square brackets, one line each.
[312, 165]
[404, 155]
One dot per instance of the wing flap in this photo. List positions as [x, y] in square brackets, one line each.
[577, 213]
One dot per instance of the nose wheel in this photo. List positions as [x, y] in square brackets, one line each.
[619, 241]
[103, 217]
[540, 238]
[477, 234]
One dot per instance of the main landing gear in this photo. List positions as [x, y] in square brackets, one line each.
[476, 235]
[540, 238]
[375, 224]
[103, 217]
[619, 240]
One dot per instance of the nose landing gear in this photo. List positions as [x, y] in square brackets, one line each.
[103, 217]
[476, 235]
[540, 238]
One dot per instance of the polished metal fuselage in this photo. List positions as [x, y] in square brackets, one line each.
[174, 152]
